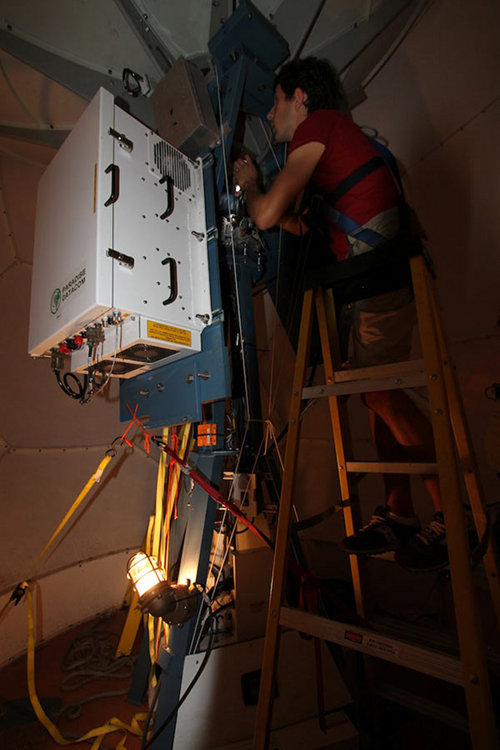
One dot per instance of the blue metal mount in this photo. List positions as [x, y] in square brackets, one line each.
[246, 49]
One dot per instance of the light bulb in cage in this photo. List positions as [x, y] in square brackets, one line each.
[174, 603]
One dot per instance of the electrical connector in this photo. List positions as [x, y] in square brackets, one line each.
[94, 334]
[56, 359]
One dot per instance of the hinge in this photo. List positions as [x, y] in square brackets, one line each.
[124, 260]
[125, 143]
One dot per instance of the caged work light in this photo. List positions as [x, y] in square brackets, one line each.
[174, 603]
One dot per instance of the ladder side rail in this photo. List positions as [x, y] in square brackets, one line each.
[271, 642]
[476, 679]
[468, 463]
[325, 310]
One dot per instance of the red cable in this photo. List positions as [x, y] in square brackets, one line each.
[213, 493]
[200, 480]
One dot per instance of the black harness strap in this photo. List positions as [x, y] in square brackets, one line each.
[352, 179]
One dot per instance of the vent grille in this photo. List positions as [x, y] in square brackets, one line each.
[115, 367]
[146, 353]
[172, 163]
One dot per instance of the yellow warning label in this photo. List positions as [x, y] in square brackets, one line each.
[169, 333]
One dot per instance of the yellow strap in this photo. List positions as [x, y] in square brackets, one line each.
[96, 477]
[160, 491]
[149, 535]
[112, 725]
[149, 620]
[130, 627]
[154, 534]
[172, 491]
[134, 615]
[156, 544]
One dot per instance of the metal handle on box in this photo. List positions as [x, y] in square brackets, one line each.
[170, 196]
[172, 264]
[115, 183]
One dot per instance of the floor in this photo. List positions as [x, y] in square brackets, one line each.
[383, 724]
[60, 665]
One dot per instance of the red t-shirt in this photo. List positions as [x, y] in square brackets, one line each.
[346, 148]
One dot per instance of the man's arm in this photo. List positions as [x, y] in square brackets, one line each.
[269, 209]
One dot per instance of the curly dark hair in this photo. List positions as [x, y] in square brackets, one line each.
[318, 78]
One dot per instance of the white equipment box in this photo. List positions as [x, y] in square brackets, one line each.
[120, 256]
[219, 712]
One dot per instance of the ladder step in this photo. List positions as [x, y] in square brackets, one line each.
[426, 660]
[380, 378]
[389, 370]
[391, 467]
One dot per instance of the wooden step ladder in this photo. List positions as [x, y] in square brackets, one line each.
[454, 459]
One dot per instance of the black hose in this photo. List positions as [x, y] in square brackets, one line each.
[151, 711]
[77, 392]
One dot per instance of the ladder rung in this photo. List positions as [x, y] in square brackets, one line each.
[390, 370]
[428, 661]
[391, 467]
[380, 378]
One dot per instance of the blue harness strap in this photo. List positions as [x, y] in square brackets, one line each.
[344, 222]
[352, 228]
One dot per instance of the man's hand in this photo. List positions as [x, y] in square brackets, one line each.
[245, 172]
[268, 209]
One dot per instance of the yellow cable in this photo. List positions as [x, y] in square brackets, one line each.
[95, 478]
[172, 492]
[160, 491]
[112, 725]
[149, 620]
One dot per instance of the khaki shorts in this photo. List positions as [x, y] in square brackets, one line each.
[382, 326]
[382, 329]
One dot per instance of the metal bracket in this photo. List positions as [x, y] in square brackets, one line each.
[124, 260]
[125, 143]
[212, 234]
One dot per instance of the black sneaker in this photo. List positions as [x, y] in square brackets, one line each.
[427, 550]
[382, 533]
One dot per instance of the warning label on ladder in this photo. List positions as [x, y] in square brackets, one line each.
[381, 646]
[371, 642]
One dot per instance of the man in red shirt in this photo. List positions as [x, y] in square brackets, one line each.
[326, 147]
